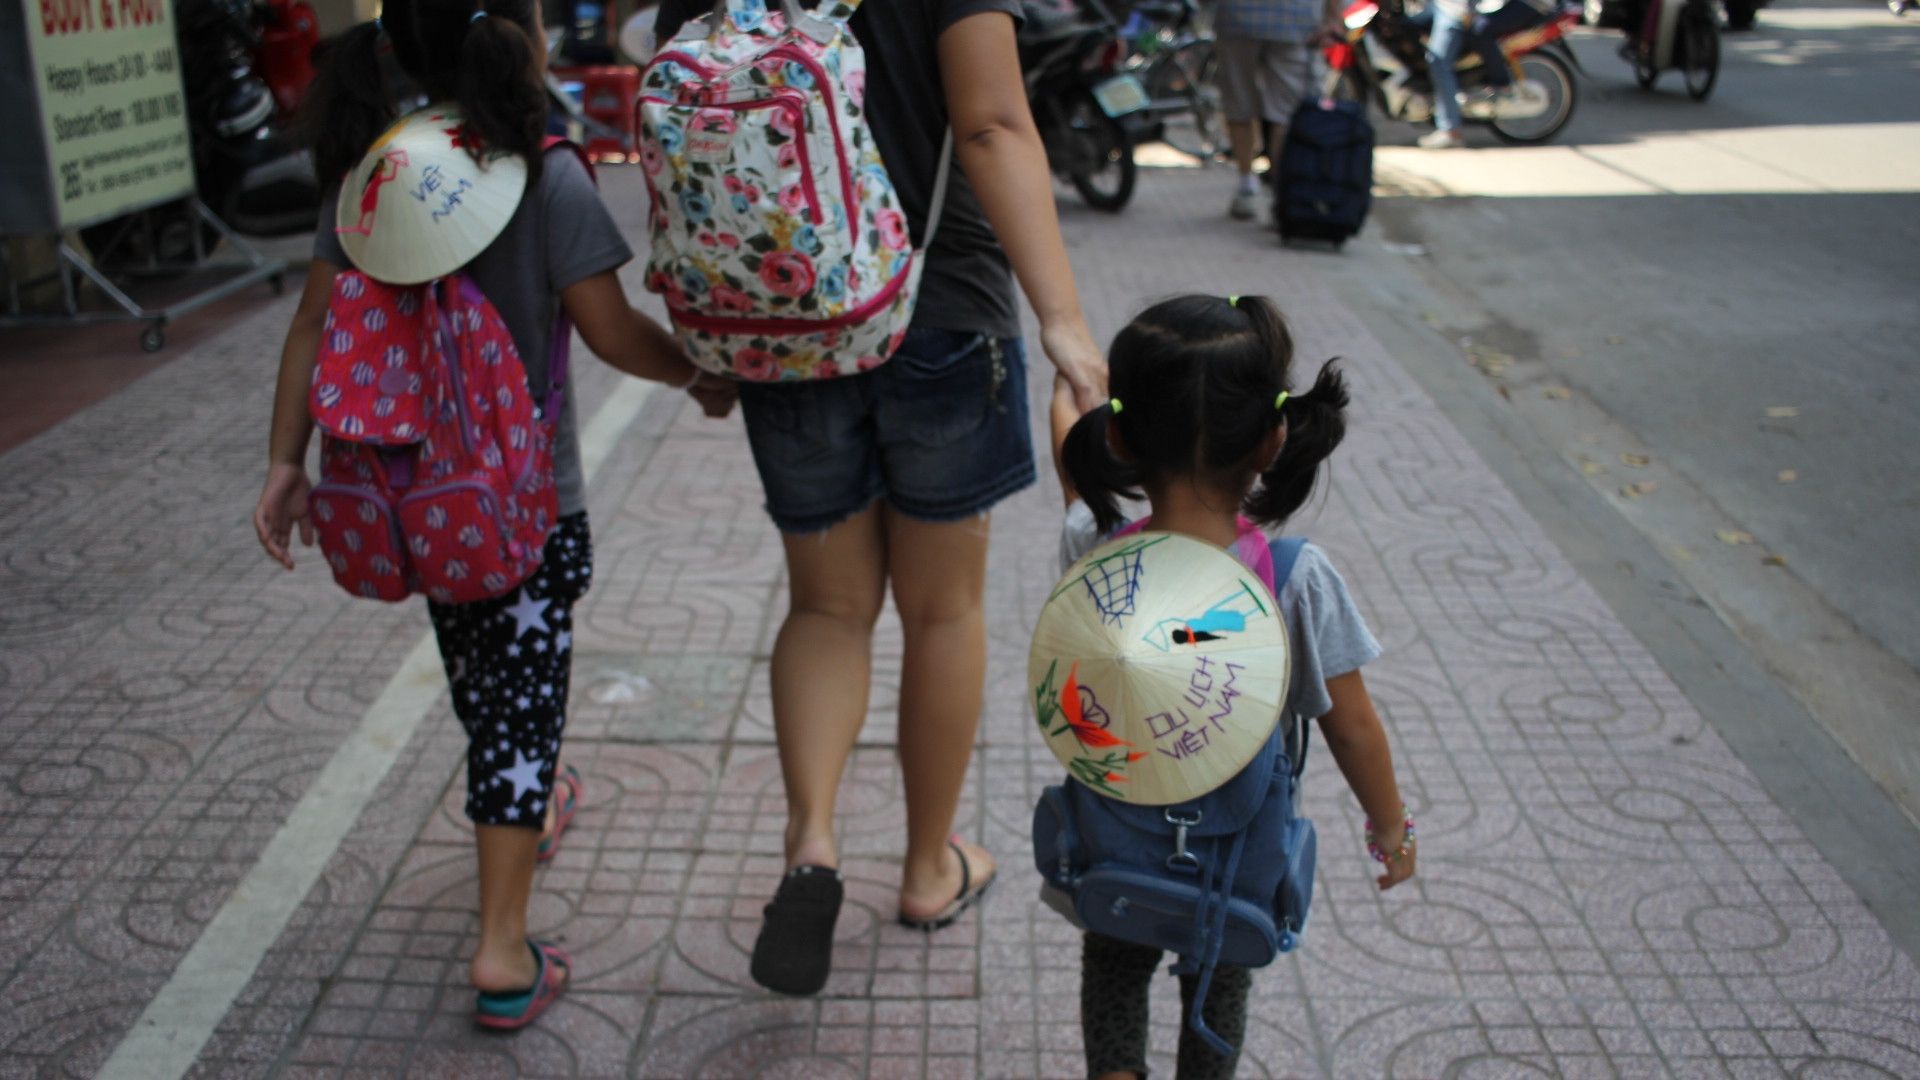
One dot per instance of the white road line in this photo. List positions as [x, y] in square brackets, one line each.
[164, 1043]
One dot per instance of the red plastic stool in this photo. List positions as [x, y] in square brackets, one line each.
[607, 95]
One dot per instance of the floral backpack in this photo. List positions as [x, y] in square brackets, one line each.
[436, 460]
[778, 240]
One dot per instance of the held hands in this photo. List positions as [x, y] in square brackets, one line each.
[283, 502]
[1069, 344]
[715, 395]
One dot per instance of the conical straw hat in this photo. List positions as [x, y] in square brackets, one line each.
[418, 206]
[1159, 668]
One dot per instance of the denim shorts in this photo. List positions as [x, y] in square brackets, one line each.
[940, 431]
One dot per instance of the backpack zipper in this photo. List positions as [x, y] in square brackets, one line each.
[741, 324]
[799, 56]
[452, 364]
[770, 101]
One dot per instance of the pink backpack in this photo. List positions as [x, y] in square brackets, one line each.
[436, 465]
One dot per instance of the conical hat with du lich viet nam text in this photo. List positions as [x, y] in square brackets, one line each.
[418, 206]
[1159, 668]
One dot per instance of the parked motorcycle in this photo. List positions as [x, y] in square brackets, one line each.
[1081, 99]
[1663, 35]
[1384, 61]
[1172, 52]
[247, 168]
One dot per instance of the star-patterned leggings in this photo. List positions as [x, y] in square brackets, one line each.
[509, 661]
[1115, 976]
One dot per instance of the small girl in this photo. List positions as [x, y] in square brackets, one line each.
[508, 660]
[1202, 423]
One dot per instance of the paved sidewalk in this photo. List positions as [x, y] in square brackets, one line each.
[1605, 890]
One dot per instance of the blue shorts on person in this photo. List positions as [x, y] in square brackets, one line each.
[940, 431]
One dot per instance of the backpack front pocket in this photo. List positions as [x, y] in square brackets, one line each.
[1150, 908]
[360, 539]
[462, 544]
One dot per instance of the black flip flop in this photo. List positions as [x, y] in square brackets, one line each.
[794, 953]
[970, 894]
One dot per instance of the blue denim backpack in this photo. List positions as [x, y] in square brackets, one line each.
[1222, 879]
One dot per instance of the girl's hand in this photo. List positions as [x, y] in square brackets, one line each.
[1069, 344]
[282, 503]
[1401, 868]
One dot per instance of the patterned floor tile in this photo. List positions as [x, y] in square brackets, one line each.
[1604, 889]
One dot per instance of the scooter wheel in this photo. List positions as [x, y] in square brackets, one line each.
[153, 339]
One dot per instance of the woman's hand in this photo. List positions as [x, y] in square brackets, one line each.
[283, 502]
[1069, 344]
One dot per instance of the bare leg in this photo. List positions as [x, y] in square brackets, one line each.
[939, 582]
[1246, 145]
[822, 663]
[503, 961]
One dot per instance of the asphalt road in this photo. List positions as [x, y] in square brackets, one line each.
[1706, 313]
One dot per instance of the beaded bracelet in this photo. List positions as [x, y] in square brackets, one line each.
[1380, 855]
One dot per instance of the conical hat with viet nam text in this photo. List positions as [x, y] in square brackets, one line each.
[418, 206]
[1159, 668]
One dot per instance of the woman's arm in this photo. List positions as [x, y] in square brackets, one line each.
[283, 501]
[997, 145]
[1358, 743]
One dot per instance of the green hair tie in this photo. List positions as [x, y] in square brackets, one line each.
[1114, 404]
[1280, 401]
[1233, 301]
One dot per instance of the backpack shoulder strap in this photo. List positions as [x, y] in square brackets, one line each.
[1286, 551]
[553, 142]
[560, 349]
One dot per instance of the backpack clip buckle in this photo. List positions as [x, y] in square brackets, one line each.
[1182, 860]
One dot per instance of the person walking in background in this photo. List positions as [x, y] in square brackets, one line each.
[1265, 49]
[1445, 24]
[886, 478]
[508, 660]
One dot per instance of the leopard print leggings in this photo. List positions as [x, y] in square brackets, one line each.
[1114, 979]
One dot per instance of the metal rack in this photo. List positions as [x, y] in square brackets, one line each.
[251, 268]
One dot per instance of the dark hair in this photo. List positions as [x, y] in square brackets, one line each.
[1196, 378]
[489, 67]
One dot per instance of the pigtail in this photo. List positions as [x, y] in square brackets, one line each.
[1098, 476]
[500, 91]
[1316, 422]
[349, 105]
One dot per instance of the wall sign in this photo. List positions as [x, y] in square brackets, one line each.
[112, 110]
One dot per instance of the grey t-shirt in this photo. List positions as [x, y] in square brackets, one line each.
[967, 285]
[1325, 630]
[560, 234]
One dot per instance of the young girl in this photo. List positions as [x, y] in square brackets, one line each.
[508, 659]
[1202, 423]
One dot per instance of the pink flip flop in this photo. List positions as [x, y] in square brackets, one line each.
[515, 1009]
[550, 844]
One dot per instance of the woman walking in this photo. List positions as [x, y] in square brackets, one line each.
[887, 478]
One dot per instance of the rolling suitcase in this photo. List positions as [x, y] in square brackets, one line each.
[1325, 172]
